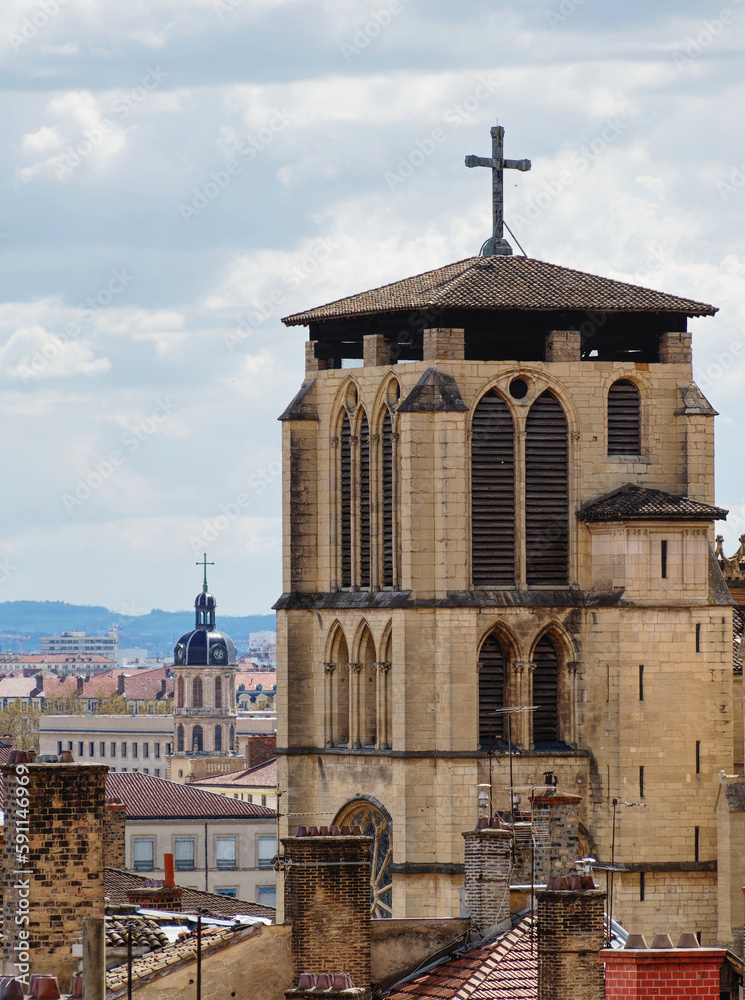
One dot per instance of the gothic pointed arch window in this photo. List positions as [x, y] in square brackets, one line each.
[336, 691]
[547, 494]
[180, 739]
[197, 739]
[218, 692]
[180, 693]
[493, 493]
[545, 692]
[387, 487]
[364, 502]
[375, 823]
[624, 418]
[345, 499]
[492, 672]
[367, 692]
[218, 737]
[197, 693]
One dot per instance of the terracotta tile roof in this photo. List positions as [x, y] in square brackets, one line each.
[249, 679]
[503, 283]
[632, 502]
[18, 687]
[118, 882]
[148, 797]
[146, 932]
[261, 776]
[55, 659]
[503, 969]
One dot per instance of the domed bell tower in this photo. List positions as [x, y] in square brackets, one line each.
[204, 714]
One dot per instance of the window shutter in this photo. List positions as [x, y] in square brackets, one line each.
[364, 503]
[493, 494]
[624, 419]
[545, 693]
[387, 484]
[225, 852]
[547, 494]
[345, 501]
[183, 852]
[491, 692]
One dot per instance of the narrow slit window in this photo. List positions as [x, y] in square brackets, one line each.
[698, 756]
[641, 782]
[641, 682]
[698, 638]
[641, 886]
[696, 842]
[663, 559]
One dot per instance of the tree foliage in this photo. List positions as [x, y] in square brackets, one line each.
[19, 724]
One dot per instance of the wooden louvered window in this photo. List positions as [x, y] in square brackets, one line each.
[386, 474]
[624, 419]
[545, 693]
[493, 494]
[547, 494]
[364, 571]
[491, 692]
[345, 500]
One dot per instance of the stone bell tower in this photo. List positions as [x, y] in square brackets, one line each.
[506, 502]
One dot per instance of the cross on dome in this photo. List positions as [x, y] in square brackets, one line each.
[497, 245]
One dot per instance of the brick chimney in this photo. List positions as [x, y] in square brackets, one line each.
[113, 837]
[488, 862]
[556, 846]
[570, 936]
[52, 864]
[327, 901]
[680, 973]
[260, 747]
[120, 684]
[79, 684]
[157, 894]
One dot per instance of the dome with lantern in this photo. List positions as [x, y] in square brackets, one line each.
[204, 646]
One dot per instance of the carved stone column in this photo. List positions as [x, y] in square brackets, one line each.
[328, 704]
[522, 724]
[382, 701]
[528, 727]
[354, 705]
[572, 668]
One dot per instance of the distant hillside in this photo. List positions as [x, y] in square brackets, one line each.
[157, 631]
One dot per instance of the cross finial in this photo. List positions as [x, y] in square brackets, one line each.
[205, 564]
[497, 245]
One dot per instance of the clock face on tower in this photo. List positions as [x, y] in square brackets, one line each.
[217, 654]
[179, 653]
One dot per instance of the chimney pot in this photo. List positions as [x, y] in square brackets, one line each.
[346, 830]
[170, 871]
[312, 831]
[561, 883]
[356, 831]
[334, 830]
[302, 831]
[324, 831]
[636, 941]
[688, 939]
[661, 941]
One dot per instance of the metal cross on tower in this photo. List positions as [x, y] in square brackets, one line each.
[497, 245]
[205, 564]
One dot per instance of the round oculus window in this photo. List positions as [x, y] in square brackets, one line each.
[518, 388]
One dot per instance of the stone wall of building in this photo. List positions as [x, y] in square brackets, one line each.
[570, 936]
[58, 812]
[114, 843]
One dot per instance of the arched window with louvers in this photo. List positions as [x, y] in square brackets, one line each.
[547, 493]
[493, 494]
[624, 418]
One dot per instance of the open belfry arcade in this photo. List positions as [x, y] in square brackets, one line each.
[499, 521]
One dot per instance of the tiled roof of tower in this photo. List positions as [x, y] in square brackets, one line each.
[148, 797]
[261, 776]
[640, 503]
[505, 969]
[522, 283]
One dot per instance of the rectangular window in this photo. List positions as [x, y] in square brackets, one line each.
[267, 850]
[663, 560]
[80, 749]
[168, 749]
[91, 749]
[698, 638]
[263, 800]
[225, 852]
[641, 886]
[696, 842]
[641, 682]
[59, 746]
[101, 749]
[69, 744]
[157, 749]
[135, 748]
[146, 770]
[145, 749]
[157, 772]
[143, 853]
[113, 749]
[227, 891]
[266, 895]
[698, 756]
[183, 853]
[641, 782]
[124, 749]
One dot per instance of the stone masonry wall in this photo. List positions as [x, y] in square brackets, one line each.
[114, 842]
[570, 936]
[487, 877]
[52, 863]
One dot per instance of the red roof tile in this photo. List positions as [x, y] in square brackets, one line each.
[503, 283]
[638, 503]
[148, 797]
[117, 882]
[504, 969]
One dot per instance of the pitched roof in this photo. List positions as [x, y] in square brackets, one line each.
[639, 503]
[502, 969]
[118, 882]
[250, 678]
[148, 797]
[261, 776]
[522, 283]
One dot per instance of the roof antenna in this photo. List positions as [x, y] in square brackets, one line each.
[497, 245]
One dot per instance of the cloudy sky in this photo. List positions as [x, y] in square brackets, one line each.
[179, 174]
